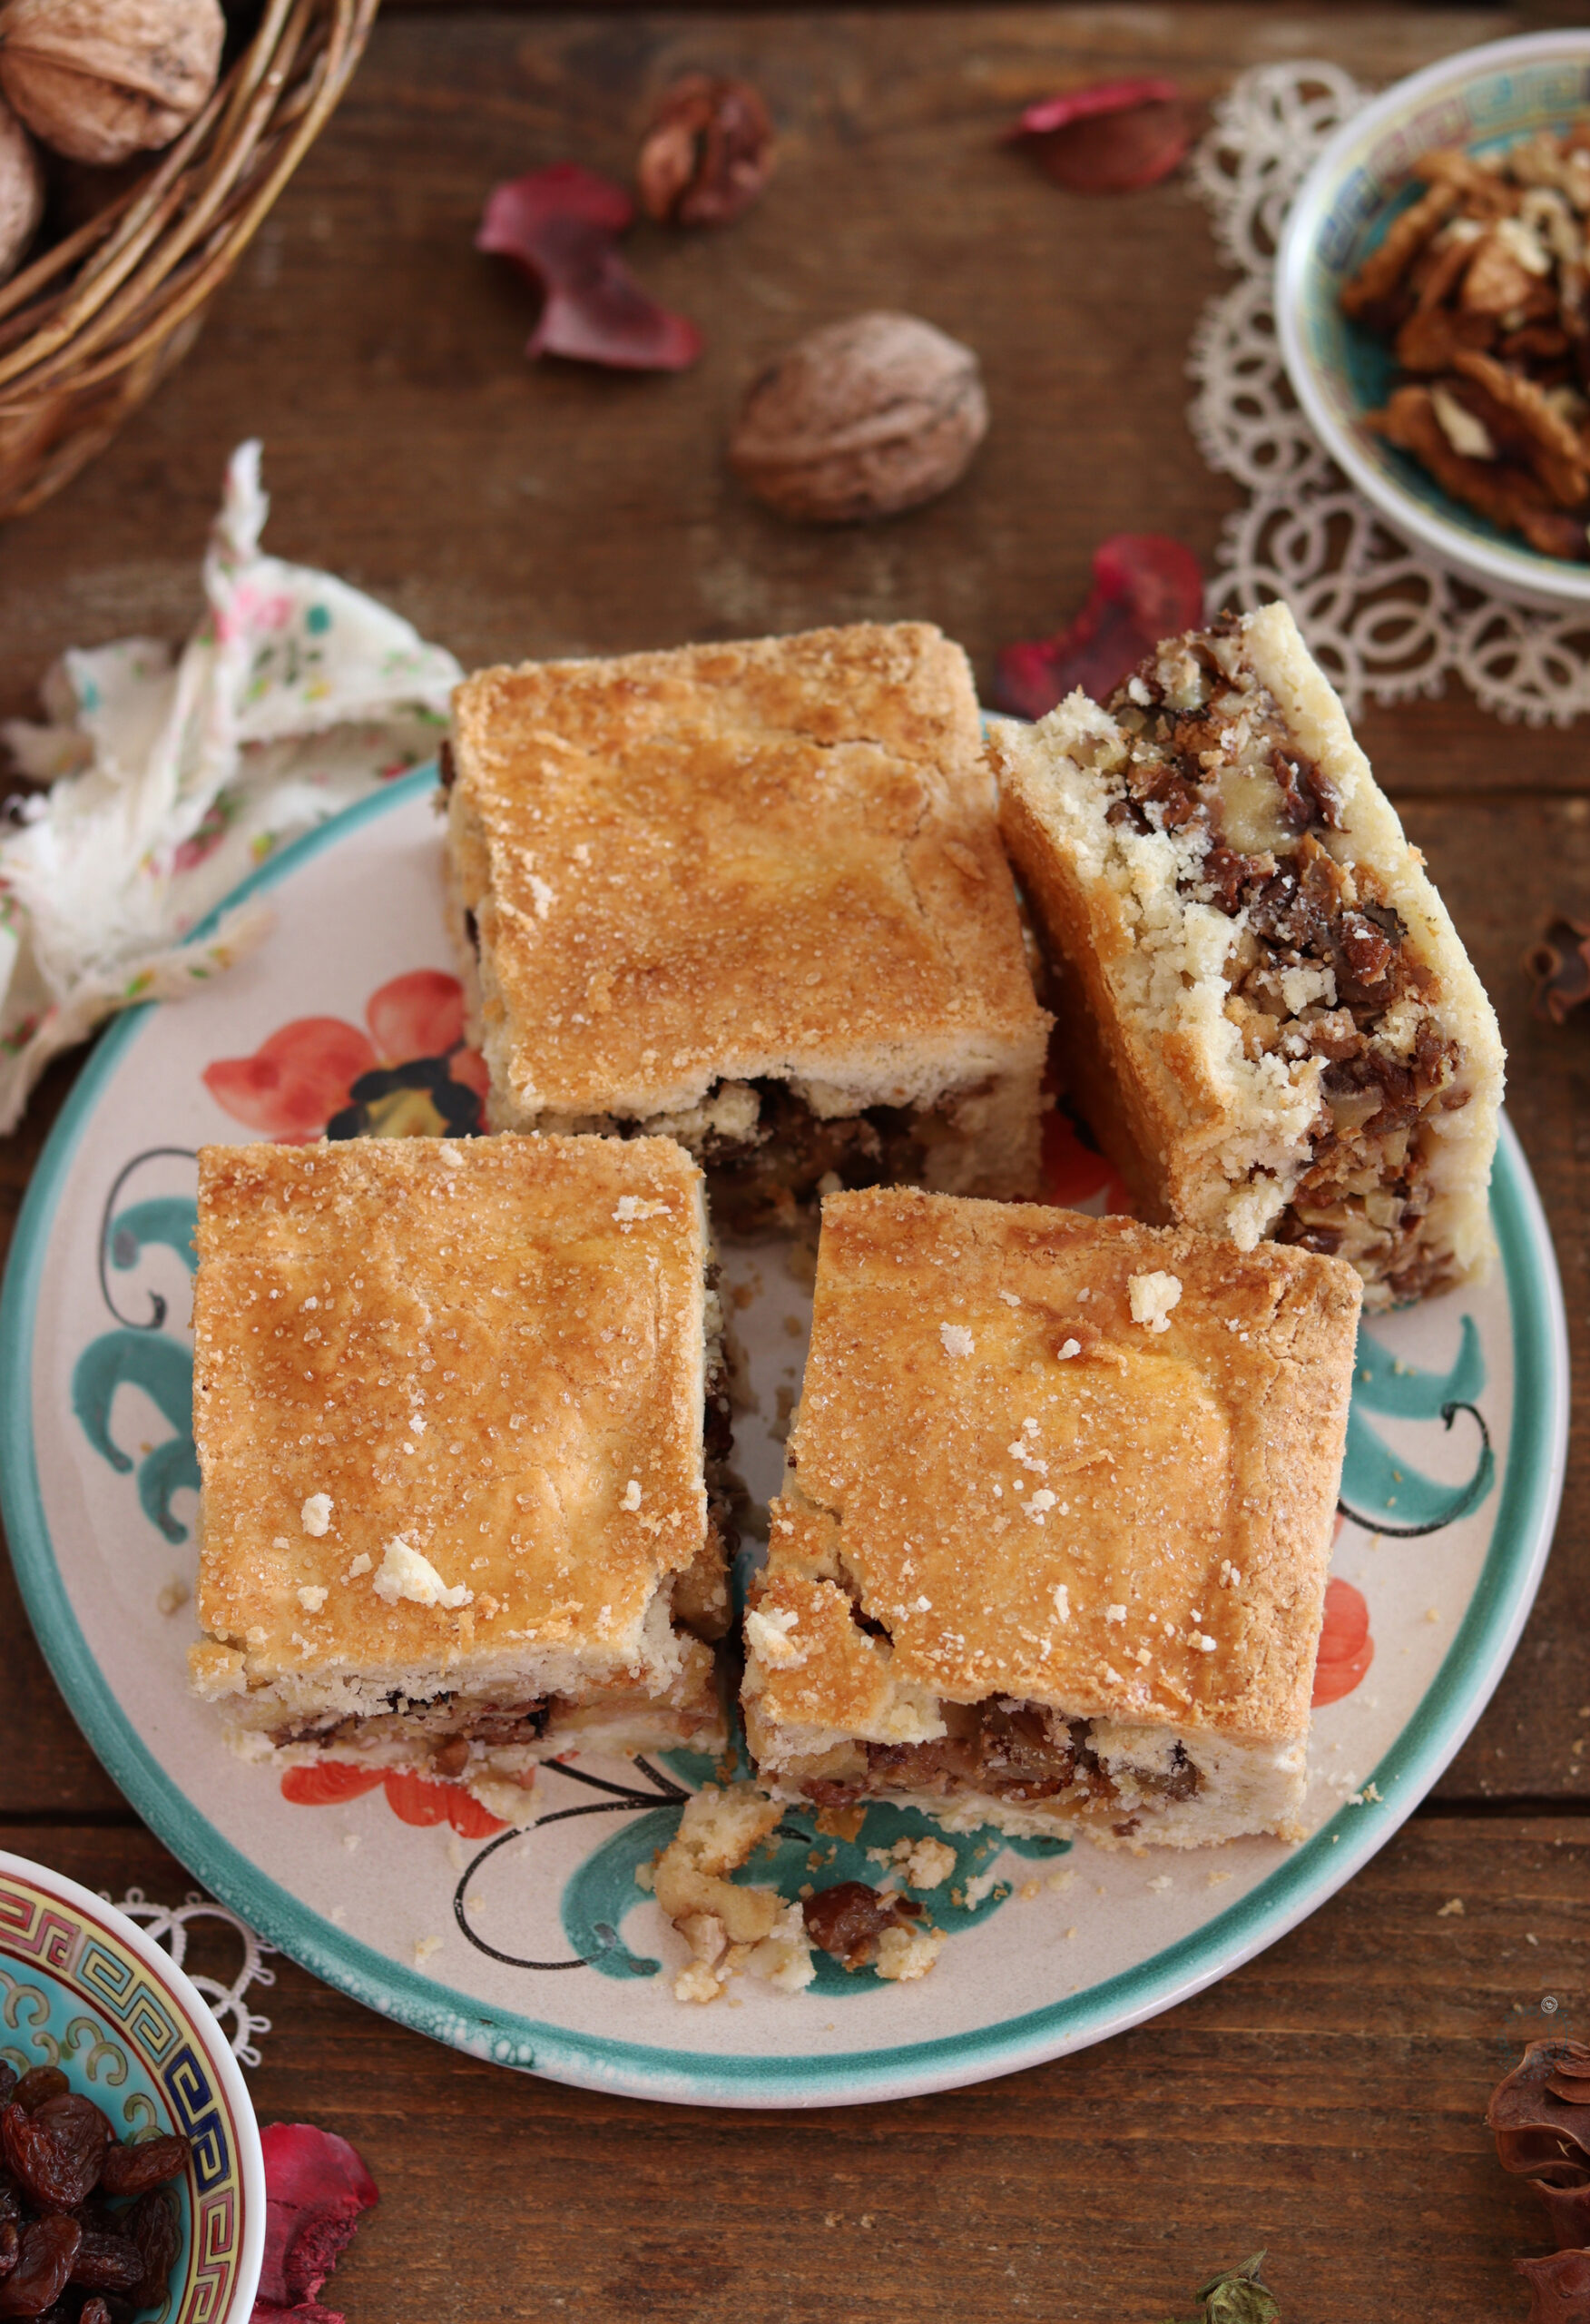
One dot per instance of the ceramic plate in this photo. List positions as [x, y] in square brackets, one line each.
[538, 1947]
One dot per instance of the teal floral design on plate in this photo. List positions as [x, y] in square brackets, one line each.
[140, 1353]
[1382, 1490]
[600, 1894]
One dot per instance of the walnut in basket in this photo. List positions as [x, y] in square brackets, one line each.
[101, 80]
[22, 190]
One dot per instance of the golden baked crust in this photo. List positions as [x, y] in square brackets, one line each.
[1138, 1532]
[1204, 1131]
[490, 1350]
[733, 862]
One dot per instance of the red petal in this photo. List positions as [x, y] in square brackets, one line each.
[468, 1818]
[470, 1068]
[316, 2186]
[418, 1015]
[558, 225]
[324, 1785]
[1113, 138]
[414, 1799]
[1082, 104]
[295, 1079]
[1346, 1648]
[1145, 587]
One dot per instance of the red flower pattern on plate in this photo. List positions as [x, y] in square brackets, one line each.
[303, 1075]
[1346, 1647]
[1077, 1176]
[413, 1799]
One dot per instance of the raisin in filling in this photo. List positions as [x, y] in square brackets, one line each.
[1320, 967]
[1000, 1749]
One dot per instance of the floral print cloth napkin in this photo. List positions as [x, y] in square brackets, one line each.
[171, 780]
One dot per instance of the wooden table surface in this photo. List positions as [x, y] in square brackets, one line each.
[1326, 2100]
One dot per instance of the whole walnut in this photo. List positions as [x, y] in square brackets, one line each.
[861, 419]
[21, 191]
[100, 80]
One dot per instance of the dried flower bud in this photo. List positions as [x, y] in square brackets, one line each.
[861, 419]
[1559, 2288]
[708, 153]
[1538, 2130]
[21, 191]
[100, 80]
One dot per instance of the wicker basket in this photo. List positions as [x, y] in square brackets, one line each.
[97, 319]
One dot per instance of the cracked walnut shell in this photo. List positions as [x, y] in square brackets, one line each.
[862, 418]
[21, 191]
[102, 80]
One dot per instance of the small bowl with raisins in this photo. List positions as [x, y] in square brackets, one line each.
[1432, 303]
[132, 2181]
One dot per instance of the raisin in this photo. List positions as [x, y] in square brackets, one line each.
[134, 2169]
[94, 2311]
[58, 2151]
[8, 2081]
[38, 2084]
[108, 2262]
[48, 2249]
[10, 2197]
[10, 2243]
[847, 1919]
[153, 2225]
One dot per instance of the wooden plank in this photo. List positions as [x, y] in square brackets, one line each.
[517, 512]
[1326, 2100]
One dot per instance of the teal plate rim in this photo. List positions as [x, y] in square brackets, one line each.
[1515, 1560]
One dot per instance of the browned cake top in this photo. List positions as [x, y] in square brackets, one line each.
[488, 1351]
[734, 861]
[1137, 1529]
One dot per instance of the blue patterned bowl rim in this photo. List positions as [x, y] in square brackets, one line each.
[196, 2018]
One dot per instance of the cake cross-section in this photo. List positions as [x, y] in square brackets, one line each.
[752, 897]
[1051, 1547]
[451, 1402]
[1267, 1015]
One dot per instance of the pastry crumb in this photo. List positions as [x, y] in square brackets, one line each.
[315, 1516]
[173, 1595]
[957, 1340]
[906, 1954]
[1153, 1297]
[1452, 1909]
[424, 1946]
[312, 1596]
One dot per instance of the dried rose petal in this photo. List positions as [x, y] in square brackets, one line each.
[1560, 965]
[316, 2186]
[1145, 587]
[560, 226]
[1110, 138]
[707, 153]
[1559, 2288]
[1568, 2210]
[1535, 2130]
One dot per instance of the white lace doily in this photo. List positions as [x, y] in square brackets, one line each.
[1384, 619]
[169, 1925]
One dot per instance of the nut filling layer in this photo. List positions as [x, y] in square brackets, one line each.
[1317, 968]
[1018, 1752]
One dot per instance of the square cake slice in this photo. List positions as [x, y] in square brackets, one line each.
[1267, 1015]
[449, 1405]
[1051, 1547]
[752, 897]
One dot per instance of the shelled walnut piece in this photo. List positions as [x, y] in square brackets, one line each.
[102, 80]
[1483, 286]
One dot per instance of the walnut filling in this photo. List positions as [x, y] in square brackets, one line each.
[1003, 1750]
[767, 1150]
[1319, 967]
